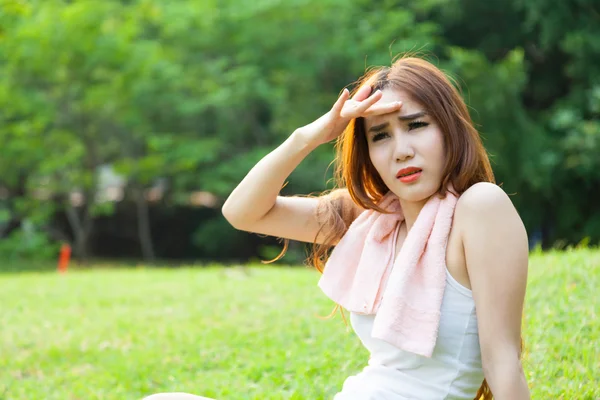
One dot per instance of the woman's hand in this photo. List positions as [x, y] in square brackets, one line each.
[329, 126]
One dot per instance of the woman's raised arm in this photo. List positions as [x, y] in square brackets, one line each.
[255, 204]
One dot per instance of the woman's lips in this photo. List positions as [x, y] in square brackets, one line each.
[410, 178]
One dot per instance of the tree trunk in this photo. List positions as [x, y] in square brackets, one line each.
[16, 219]
[82, 227]
[143, 218]
[81, 250]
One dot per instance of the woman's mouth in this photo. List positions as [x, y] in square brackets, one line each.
[410, 177]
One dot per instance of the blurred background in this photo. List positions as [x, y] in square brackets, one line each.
[125, 124]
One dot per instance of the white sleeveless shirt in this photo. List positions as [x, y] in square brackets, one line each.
[454, 372]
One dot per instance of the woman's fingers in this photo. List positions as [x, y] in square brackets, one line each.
[339, 104]
[353, 108]
[362, 93]
[365, 104]
[382, 109]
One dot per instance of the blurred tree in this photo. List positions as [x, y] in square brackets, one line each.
[549, 125]
[186, 96]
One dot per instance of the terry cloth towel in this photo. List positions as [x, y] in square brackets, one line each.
[406, 294]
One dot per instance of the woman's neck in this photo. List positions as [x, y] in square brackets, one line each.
[411, 210]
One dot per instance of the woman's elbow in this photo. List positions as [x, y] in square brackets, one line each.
[231, 215]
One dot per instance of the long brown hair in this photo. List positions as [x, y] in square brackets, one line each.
[358, 183]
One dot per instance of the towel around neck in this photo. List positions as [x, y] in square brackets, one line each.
[406, 294]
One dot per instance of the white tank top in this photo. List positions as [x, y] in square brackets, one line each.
[454, 372]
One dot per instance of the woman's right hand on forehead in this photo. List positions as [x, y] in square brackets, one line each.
[329, 126]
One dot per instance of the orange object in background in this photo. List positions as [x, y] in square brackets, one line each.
[64, 258]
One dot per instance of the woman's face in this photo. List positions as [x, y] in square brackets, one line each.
[408, 138]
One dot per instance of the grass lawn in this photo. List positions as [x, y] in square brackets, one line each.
[248, 334]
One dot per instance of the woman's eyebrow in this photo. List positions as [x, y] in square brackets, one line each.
[407, 117]
[379, 127]
[412, 116]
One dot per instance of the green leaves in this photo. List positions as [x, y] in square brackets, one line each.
[194, 93]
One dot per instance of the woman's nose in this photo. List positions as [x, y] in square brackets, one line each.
[403, 148]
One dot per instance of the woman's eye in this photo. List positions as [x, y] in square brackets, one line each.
[416, 125]
[379, 136]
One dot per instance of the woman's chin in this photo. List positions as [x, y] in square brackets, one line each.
[416, 192]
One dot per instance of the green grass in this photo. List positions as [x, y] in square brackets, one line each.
[248, 334]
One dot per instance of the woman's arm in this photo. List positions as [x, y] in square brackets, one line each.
[255, 204]
[496, 253]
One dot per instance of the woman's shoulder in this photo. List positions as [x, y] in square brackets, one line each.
[484, 203]
[483, 196]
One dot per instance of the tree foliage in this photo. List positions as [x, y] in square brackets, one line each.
[193, 93]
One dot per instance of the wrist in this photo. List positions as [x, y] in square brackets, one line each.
[301, 142]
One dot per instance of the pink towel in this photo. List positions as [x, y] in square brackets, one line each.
[406, 294]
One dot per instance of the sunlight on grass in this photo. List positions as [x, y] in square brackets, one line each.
[248, 333]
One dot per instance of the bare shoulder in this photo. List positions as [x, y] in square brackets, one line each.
[483, 203]
[486, 208]
[483, 197]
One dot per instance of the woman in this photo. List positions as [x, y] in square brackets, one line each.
[423, 238]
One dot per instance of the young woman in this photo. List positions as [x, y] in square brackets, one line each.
[430, 255]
